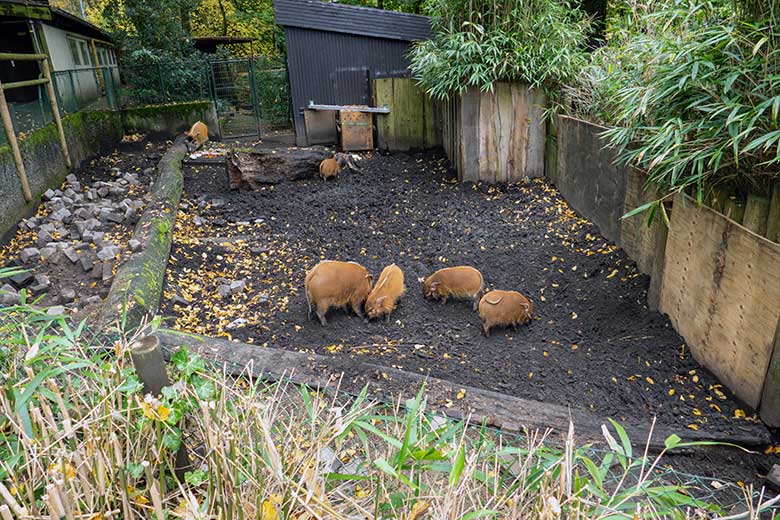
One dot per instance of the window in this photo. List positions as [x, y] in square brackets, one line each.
[74, 51]
[86, 57]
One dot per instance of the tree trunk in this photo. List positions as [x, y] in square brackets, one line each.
[248, 169]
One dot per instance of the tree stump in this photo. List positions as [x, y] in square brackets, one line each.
[250, 169]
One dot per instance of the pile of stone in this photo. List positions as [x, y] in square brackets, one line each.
[74, 232]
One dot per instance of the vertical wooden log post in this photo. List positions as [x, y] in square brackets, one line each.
[756, 214]
[11, 135]
[55, 110]
[770, 397]
[150, 365]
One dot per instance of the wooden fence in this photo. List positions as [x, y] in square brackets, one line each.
[718, 281]
[495, 136]
[414, 119]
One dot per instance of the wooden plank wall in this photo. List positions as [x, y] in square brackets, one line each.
[721, 289]
[413, 121]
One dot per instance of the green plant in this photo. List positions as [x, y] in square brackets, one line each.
[477, 43]
[692, 92]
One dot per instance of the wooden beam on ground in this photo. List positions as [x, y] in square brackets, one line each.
[508, 413]
[8, 124]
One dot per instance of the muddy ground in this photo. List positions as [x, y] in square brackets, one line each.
[594, 344]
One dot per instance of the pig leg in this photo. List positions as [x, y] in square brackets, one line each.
[485, 330]
[321, 310]
[476, 302]
[387, 318]
[358, 311]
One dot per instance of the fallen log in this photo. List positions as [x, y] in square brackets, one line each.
[251, 169]
[137, 287]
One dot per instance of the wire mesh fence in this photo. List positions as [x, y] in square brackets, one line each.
[250, 95]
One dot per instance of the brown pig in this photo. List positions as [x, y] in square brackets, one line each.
[388, 290]
[504, 309]
[462, 283]
[329, 168]
[337, 284]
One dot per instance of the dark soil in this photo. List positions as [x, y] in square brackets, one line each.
[594, 345]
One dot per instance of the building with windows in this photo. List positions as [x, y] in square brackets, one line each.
[81, 55]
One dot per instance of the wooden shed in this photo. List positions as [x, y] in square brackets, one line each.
[336, 51]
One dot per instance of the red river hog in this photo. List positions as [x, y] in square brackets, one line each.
[329, 168]
[385, 295]
[462, 283]
[504, 309]
[337, 284]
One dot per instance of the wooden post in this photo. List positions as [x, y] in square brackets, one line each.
[8, 124]
[773, 221]
[756, 214]
[150, 366]
[55, 110]
[659, 261]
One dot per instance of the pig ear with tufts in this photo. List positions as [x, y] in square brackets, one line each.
[370, 278]
[380, 300]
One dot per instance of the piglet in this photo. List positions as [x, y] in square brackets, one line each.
[504, 309]
[461, 283]
[337, 284]
[388, 290]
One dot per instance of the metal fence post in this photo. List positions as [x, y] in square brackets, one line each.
[162, 84]
[253, 95]
[74, 95]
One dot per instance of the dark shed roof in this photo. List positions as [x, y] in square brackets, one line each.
[352, 19]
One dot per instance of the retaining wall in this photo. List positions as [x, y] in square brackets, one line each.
[86, 133]
[496, 136]
[718, 281]
[171, 118]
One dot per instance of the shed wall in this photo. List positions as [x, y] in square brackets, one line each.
[335, 68]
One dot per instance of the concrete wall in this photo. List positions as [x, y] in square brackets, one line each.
[496, 136]
[171, 119]
[86, 132]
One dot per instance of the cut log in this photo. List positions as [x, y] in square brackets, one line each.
[248, 169]
[756, 214]
[773, 221]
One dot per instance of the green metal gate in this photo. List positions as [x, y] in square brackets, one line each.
[234, 97]
[250, 96]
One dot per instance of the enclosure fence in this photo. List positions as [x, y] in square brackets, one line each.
[247, 93]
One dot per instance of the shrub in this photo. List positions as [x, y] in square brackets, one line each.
[476, 43]
[693, 94]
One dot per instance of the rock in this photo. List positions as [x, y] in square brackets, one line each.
[86, 262]
[9, 295]
[29, 254]
[76, 186]
[68, 195]
[116, 172]
[238, 322]
[67, 295]
[44, 237]
[108, 270]
[117, 191]
[71, 254]
[42, 279]
[135, 245]
[259, 250]
[130, 178]
[74, 233]
[263, 298]
[48, 194]
[180, 301]
[224, 291]
[92, 300]
[92, 194]
[62, 215]
[97, 271]
[21, 280]
[237, 286]
[103, 191]
[47, 252]
[217, 203]
[70, 178]
[198, 221]
[57, 310]
[108, 252]
[773, 477]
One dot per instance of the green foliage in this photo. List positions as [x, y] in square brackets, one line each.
[692, 91]
[477, 43]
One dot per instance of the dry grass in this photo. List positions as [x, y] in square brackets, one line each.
[78, 439]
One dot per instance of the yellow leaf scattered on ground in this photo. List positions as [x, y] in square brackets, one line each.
[612, 274]
[461, 394]
[739, 413]
[418, 510]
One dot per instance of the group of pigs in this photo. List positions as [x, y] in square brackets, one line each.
[346, 285]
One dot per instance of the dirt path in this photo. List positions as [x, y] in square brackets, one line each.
[595, 345]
